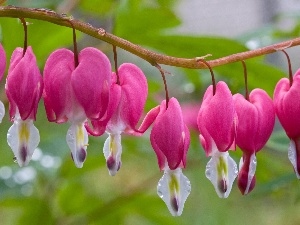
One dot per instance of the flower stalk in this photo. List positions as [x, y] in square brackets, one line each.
[246, 80]
[25, 34]
[116, 64]
[290, 67]
[213, 81]
[162, 72]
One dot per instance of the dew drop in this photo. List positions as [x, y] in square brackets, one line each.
[159, 192]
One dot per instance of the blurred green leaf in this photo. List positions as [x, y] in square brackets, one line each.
[98, 7]
[140, 18]
[34, 3]
[36, 211]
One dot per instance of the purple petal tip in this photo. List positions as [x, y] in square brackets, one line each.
[174, 204]
[222, 186]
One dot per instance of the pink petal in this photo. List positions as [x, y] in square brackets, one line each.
[161, 159]
[148, 120]
[216, 118]
[256, 120]
[287, 105]
[134, 93]
[168, 135]
[99, 126]
[91, 80]
[187, 140]
[57, 77]
[24, 84]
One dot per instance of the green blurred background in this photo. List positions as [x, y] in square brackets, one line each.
[51, 190]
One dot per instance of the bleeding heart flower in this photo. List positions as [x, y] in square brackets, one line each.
[24, 86]
[170, 140]
[76, 94]
[256, 118]
[128, 93]
[217, 125]
[287, 108]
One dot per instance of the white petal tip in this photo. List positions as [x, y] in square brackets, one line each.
[77, 140]
[79, 157]
[113, 165]
[23, 138]
[2, 111]
[112, 151]
[221, 170]
[174, 188]
[292, 155]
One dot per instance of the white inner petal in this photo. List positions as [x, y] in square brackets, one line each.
[2, 111]
[292, 154]
[23, 138]
[252, 169]
[112, 151]
[221, 170]
[174, 188]
[77, 140]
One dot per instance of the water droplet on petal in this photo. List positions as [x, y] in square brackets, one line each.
[159, 191]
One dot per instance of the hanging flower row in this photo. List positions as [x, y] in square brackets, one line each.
[80, 88]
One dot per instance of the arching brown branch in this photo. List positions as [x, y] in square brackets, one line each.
[150, 56]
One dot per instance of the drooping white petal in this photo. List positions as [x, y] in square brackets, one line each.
[292, 154]
[252, 169]
[77, 140]
[23, 138]
[112, 151]
[221, 170]
[174, 188]
[2, 111]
